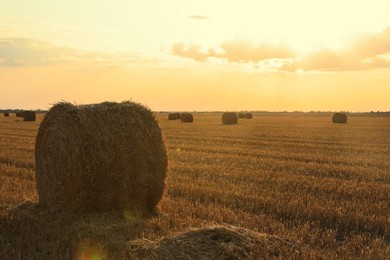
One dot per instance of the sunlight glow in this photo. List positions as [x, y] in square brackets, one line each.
[168, 54]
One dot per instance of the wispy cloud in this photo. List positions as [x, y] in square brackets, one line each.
[21, 52]
[199, 17]
[191, 51]
[366, 52]
[244, 51]
[24, 52]
[234, 51]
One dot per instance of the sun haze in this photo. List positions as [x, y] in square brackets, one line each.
[197, 55]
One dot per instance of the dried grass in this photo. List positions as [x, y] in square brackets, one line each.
[30, 231]
[100, 157]
[241, 115]
[6, 114]
[215, 242]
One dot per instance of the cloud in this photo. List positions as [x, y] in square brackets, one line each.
[192, 51]
[199, 17]
[234, 51]
[16, 52]
[368, 51]
[322, 60]
[371, 45]
[244, 51]
[23, 52]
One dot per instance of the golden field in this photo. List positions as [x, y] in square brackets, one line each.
[322, 188]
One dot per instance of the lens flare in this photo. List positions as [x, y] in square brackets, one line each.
[90, 250]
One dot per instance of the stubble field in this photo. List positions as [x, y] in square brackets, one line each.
[321, 188]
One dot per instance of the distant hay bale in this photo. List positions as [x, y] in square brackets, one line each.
[241, 115]
[100, 157]
[6, 114]
[29, 116]
[248, 115]
[187, 118]
[172, 116]
[229, 118]
[215, 242]
[339, 118]
[19, 114]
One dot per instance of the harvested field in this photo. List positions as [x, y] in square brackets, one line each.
[277, 186]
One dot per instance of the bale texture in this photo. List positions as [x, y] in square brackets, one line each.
[229, 118]
[241, 115]
[29, 116]
[100, 157]
[187, 118]
[339, 118]
[6, 114]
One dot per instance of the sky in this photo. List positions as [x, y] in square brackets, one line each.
[197, 55]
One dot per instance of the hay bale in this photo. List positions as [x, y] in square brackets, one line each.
[215, 242]
[339, 118]
[229, 118]
[248, 116]
[178, 115]
[19, 114]
[187, 118]
[172, 116]
[6, 114]
[29, 116]
[100, 157]
[241, 115]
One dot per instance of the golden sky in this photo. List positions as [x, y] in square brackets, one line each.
[196, 55]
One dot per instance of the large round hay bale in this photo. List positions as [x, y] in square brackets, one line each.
[6, 114]
[229, 118]
[29, 116]
[187, 118]
[100, 157]
[241, 115]
[248, 115]
[339, 118]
